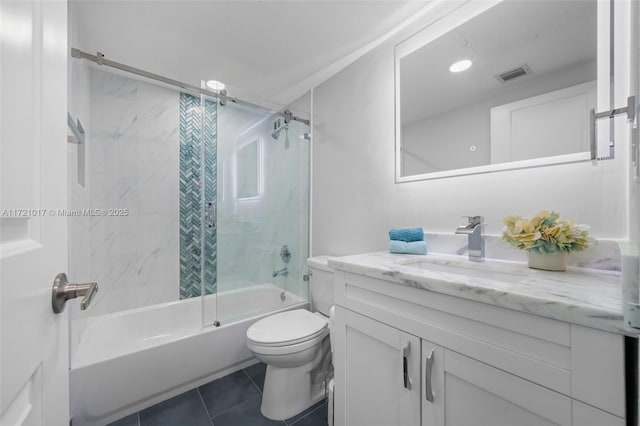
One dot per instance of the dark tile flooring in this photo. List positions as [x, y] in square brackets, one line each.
[233, 400]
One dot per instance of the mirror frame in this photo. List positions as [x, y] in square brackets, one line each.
[449, 15]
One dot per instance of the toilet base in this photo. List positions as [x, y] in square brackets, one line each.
[288, 391]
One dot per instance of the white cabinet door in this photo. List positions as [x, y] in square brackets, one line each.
[433, 390]
[33, 163]
[382, 374]
[597, 377]
[480, 395]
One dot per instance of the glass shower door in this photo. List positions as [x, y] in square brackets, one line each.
[262, 212]
[200, 213]
[198, 197]
[148, 155]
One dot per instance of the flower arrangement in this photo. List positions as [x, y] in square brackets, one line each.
[546, 233]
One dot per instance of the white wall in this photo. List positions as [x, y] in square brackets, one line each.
[356, 200]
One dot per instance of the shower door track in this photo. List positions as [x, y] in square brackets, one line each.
[100, 60]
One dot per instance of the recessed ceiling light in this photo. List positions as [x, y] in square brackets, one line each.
[215, 85]
[460, 66]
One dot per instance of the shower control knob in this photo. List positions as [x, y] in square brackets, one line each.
[285, 254]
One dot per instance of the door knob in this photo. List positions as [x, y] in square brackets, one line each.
[63, 291]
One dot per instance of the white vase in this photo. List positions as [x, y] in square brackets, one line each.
[548, 262]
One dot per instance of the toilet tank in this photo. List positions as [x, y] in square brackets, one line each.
[320, 284]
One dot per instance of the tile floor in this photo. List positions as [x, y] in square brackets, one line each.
[233, 400]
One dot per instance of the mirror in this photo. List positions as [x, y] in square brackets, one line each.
[248, 170]
[522, 99]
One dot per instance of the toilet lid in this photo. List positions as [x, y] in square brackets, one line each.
[287, 328]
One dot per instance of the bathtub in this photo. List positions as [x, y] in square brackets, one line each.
[133, 359]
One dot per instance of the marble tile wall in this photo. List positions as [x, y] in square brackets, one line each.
[132, 166]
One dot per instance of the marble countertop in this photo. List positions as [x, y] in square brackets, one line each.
[588, 297]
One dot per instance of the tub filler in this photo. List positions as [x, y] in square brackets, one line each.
[133, 359]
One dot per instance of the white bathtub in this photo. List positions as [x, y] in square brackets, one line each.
[133, 359]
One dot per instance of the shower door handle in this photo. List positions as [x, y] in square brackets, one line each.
[211, 215]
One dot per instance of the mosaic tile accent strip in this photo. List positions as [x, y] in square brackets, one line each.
[193, 133]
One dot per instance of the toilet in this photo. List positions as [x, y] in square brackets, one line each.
[295, 346]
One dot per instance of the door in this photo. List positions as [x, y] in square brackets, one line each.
[33, 248]
[382, 374]
[516, 133]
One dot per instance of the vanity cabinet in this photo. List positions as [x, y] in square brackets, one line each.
[382, 377]
[474, 393]
[407, 356]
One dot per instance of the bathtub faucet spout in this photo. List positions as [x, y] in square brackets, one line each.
[284, 271]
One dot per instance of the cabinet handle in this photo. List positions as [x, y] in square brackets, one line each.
[405, 366]
[427, 377]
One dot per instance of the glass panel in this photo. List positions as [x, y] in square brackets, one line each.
[197, 189]
[263, 207]
[208, 153]
[147, 147]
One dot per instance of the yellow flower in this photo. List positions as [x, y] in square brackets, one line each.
[545, 232]
[528, 226]
[552, 232]
[539, 217]
[533, 236]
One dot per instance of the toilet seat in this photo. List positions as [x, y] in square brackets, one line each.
[287, 329]
[289, 349]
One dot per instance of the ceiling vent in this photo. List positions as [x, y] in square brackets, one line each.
[513, 74]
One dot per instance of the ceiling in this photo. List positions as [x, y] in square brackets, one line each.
[258, 48]
[548, 35]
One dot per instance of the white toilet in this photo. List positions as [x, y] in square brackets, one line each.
[295, 346]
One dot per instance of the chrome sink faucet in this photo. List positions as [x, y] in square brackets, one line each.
[476, 243]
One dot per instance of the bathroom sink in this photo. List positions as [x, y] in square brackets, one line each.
[479, 270]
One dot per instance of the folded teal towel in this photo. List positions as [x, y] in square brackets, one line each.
[403, 247]
[408, 235]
